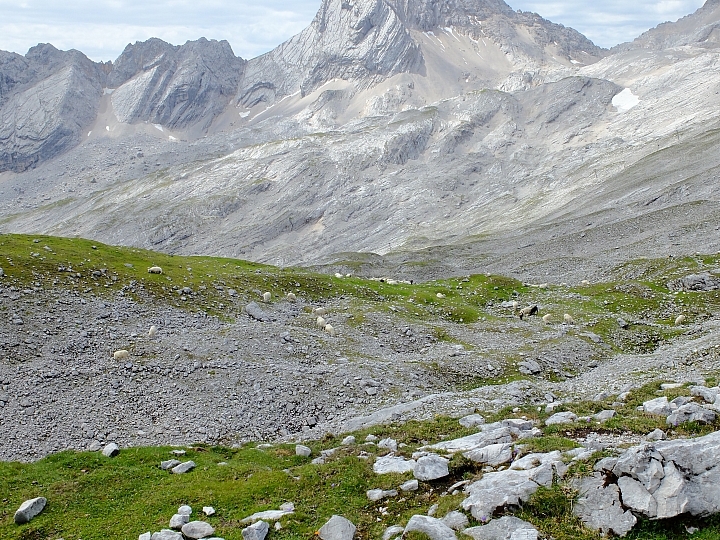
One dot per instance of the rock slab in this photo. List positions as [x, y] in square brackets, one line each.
[256, 531]
[29, 509]
[337, 528]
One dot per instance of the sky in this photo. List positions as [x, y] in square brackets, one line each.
[102, 28]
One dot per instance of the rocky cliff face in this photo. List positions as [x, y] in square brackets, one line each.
[175, 87]
[47, 98]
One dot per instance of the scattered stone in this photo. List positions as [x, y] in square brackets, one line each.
[658, 406]
[145, 536]
[197, 530]
[256, 531]
[111, 450]
[183, 467]
[410, 485]
[29, 509]
[471, 421]
[167, 534]
[692, 412]
[337, 528]
[493, 455]
[656, 435]
[530, 367]
[256, 312]
[390, 444]
[457, 521]
[505, 528]
[348, 441]
[169, 464]
[178, 520]
[185, 510]
[435, 529]
[393, 464]
[371, 438]
[269, 515]
[208, 510]
[433, 510]
[95, 446]
[604, 416]
[561, 418]
[178, 452]
[378, 494]
[392, 532]
[670, 386]
[696, 282]
[602, 396]
[431, 467]
[708, 394]
[301, 450]
[478, 440]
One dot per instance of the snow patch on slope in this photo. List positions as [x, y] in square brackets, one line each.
[625, 101]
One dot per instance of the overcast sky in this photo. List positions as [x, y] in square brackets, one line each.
[102, 28]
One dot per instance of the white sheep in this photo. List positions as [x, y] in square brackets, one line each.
[291, 297]
[153, 331]
[392, 282]
[339, 275]
[530, 310]
[568, 319]
[514, 305]
[121, 355]
[546, 318]
[680, 320]
[330, 330]
[155, 270]
[266, 296]
[320, 311]
[320, 322]
[440, 295]
[585, 282]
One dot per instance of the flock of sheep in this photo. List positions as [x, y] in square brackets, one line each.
[323, 324]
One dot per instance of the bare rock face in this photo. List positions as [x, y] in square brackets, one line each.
[361, 41]
[174, 86]
[47, 99]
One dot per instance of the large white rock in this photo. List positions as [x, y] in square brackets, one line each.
[111, 450]
[457, 521]
[431, 467]
[337, 528]
[636, 497]
[393, 464]
[378, 494]
[505, 528]
[561, 418]
[301, 450]
[269, 515]
[477, 440]
[435, 529]
[197, 530]
[29, 509]
[692, 412]
[167, 534]
[494, 454]
[471, 420]
[178, 520]
[509, 487]
[256, 531]
[658, 406]
[600, 509]
[183, 467]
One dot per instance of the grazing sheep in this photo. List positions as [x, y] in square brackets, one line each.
[514, 305]
[585, 282]
[338, 275]
[320, 322]
[440, 295]
[153, 331]
[680, 320]
[568, 319]
[291, 297]
[330, 330]
[155, 270]
[546, 318]
[392, 282]
[266, 296]
[320, 311]
[121, 355]
[530, 310]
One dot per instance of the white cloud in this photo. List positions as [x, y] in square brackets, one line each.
[609, 22]
[102, 28]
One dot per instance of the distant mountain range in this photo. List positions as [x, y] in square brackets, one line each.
[386, 127]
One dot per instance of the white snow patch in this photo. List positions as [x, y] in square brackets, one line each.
[172, 138]
[158, 126]
[89, 133]
[107, 128]
[108, 91]
[625, 101]
[244, 114]
[574, 61]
